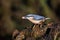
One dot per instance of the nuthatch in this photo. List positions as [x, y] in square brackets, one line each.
[35, 19]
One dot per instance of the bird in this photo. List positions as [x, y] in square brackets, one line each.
[35, 19]
[37, 28]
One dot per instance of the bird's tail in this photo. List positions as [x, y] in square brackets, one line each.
[48, 18]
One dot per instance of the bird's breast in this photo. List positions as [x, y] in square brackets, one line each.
[35, 21]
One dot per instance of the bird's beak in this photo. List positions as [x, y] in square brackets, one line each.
[23, 17]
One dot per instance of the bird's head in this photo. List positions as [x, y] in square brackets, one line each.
[29, 16]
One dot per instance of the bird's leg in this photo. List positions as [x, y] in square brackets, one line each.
[40, 23]
[34, 26]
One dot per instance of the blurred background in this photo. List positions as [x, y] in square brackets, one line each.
[11, 12]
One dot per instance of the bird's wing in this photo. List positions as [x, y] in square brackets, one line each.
[38, 17]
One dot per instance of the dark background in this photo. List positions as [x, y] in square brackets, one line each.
[11, 12]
